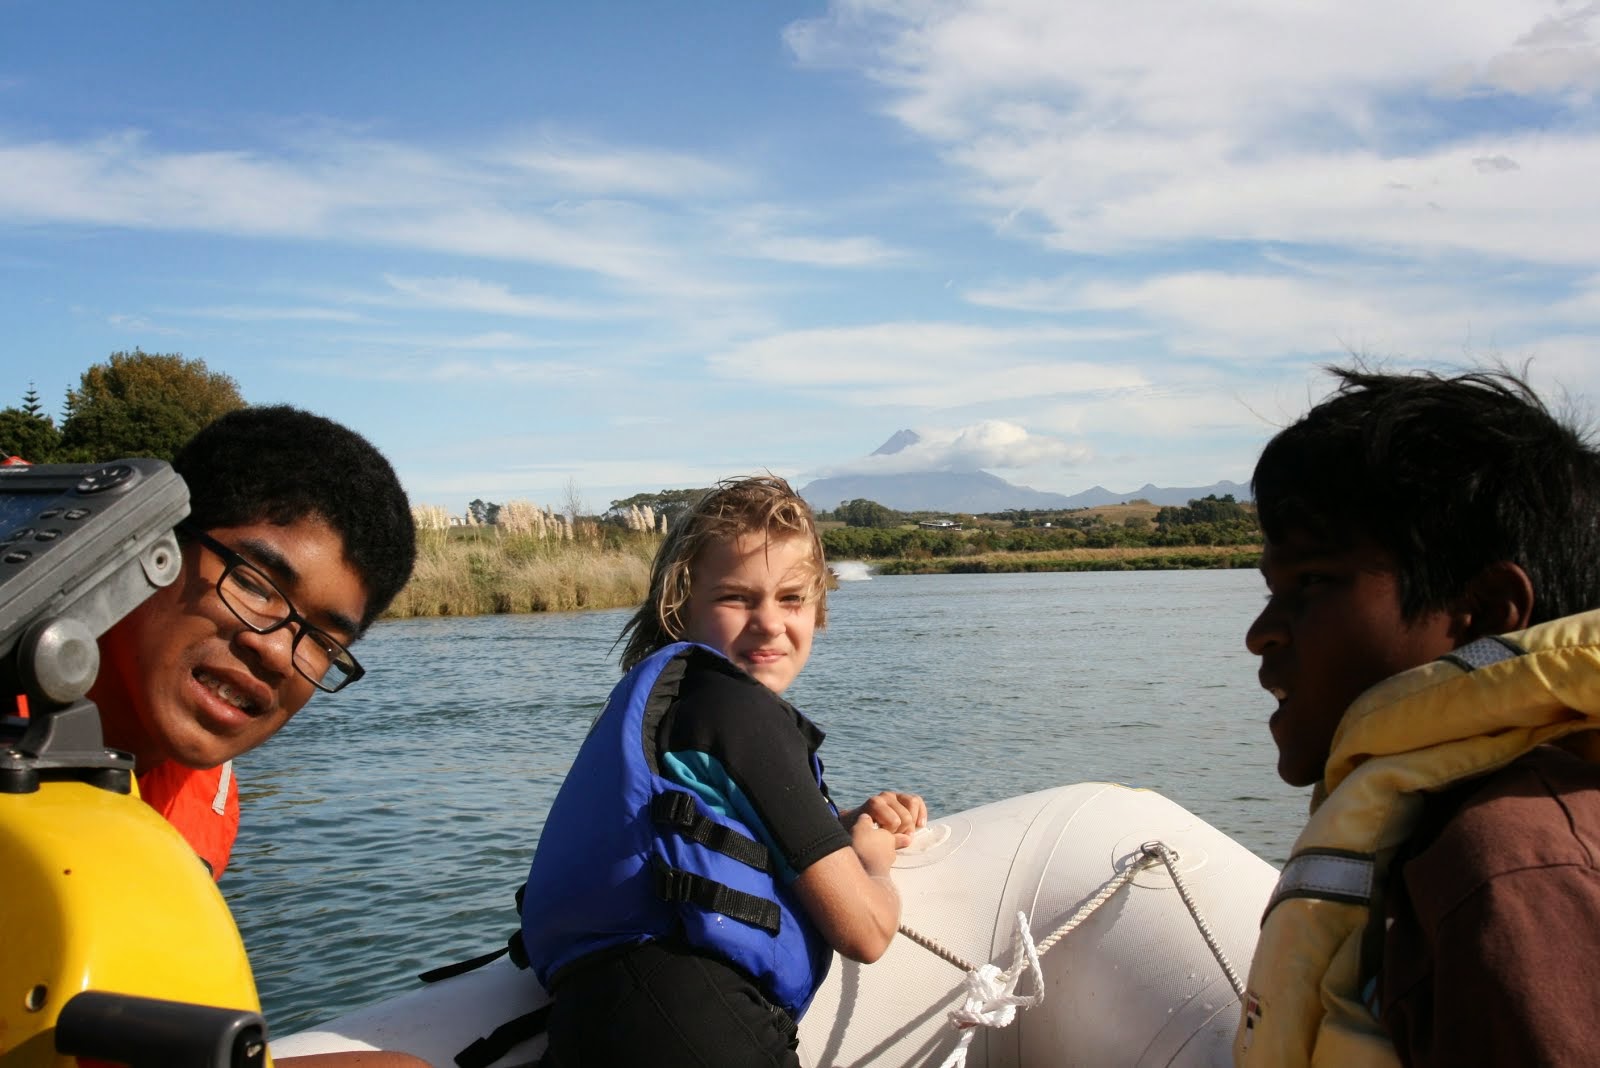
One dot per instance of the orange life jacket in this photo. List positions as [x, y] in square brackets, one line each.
[202, 804]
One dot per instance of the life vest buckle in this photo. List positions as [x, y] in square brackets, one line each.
[674, 808]
[671, 884]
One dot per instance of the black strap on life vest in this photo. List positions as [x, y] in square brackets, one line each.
[675, 884]
[513, 948]
[677, 810]
[490, 1048]
[503, 1039]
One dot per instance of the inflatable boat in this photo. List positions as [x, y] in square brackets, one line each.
[1090, 924]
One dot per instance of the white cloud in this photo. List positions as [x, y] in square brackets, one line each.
[1147, 123]
[823, 251]
[495, 298]
[934, 365]
[1256, 317]
[1584, 302]
[118, 180]
[635, 218]
[1190, 409]
[138, 324]
[494, 358]
[328, 188]
[597, 170]
[1556, 55]
[1309, 309]
[990, 444]
[242, 313]
[1564, 365]
[768, 232]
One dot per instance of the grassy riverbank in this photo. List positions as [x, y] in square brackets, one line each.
[1121, 558]
[482, 571]
[477, 572]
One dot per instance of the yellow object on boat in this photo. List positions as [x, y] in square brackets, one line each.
[99, 893]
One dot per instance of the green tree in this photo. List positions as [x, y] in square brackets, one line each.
[1207, 509]
[668, 502]
[30, 403]
[143, 404]
[864, 513]
[28, 435]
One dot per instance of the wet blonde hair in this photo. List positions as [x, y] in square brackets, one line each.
[734, 507]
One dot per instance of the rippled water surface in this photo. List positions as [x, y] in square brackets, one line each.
[387, 827]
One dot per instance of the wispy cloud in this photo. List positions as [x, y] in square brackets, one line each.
[1253, 317]
[360, 190]
[822, 251]
[588, 169]
[243, 313]
[452, 361]
[766, 231]
[1109, 127]
[924, 364]
[494, 298]
[138, 324]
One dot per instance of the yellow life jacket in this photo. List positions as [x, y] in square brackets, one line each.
[1466, 714]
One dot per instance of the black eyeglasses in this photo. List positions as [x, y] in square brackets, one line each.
[256, 601]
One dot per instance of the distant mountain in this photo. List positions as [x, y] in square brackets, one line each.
[1096, 496]
[977, 492]
[897, 441]
[931, 491]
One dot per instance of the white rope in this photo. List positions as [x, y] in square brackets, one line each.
[1170, 859]
[992, 1000]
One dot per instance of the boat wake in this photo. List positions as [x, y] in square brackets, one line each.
[850, 570]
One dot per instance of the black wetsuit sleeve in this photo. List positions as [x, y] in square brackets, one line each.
[765, 748]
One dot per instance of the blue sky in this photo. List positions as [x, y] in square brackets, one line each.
[630, 246]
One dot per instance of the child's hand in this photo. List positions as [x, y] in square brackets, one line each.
[899, 814]
[873, 845]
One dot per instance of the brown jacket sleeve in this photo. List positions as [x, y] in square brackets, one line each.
[1492, 955]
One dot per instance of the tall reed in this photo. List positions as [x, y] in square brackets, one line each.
[485, 570]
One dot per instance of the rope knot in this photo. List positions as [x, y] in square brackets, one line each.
[991, 999]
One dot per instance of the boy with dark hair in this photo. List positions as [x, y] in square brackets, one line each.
[1428, 541]
[299, 535]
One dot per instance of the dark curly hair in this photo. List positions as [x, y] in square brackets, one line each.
[1449, 474]
[278, 464]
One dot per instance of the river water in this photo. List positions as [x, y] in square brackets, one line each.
[386, 829]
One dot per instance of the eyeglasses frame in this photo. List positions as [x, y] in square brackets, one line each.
[232, 560]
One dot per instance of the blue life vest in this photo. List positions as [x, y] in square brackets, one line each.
[627, 856]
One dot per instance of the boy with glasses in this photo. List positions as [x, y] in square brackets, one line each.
[298, 536]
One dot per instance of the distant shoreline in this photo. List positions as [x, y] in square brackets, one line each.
[478, 573]
[1122, 558]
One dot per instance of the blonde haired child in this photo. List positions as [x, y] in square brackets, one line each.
[694, 878]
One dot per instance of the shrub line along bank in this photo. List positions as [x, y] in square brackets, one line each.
[1125, 559]
[479, 572]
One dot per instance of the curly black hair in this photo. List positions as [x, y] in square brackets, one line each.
[1449, 474]
[278, 464]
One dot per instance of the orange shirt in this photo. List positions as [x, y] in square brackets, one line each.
[202, 804]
